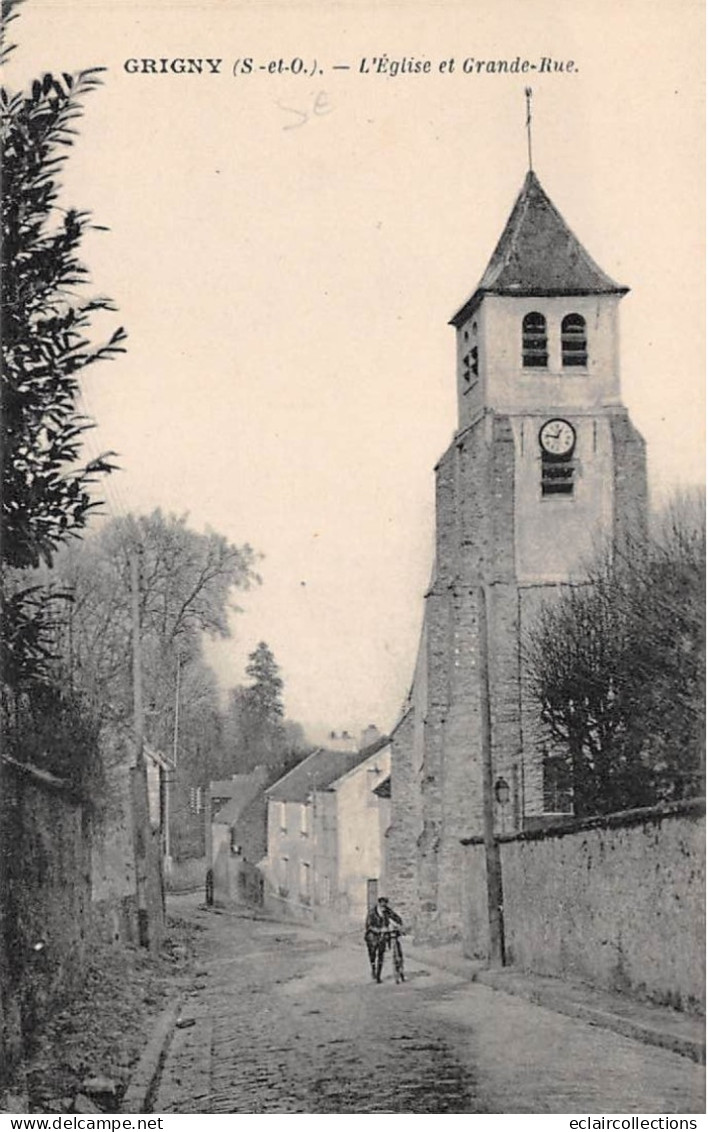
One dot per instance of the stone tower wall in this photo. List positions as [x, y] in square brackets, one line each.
[494, 529]
[402, 836]
[631, 497]
[475, 541]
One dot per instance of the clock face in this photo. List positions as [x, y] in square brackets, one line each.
[557, 437]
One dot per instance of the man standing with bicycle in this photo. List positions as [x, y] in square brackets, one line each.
[377, 932]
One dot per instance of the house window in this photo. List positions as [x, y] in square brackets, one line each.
[557, 788]
[534, 341]
[283, 887]
[283, 815]
[305, 882]
[304, 821]
[574, 341]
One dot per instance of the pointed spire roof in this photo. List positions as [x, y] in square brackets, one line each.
[538, 254]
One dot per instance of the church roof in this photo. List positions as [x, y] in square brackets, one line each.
[537, 254]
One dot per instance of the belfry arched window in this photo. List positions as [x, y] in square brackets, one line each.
[574, 341]
[534, 341]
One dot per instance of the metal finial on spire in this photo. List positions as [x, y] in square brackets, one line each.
[529, 94]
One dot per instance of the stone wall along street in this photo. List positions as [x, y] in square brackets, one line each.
[45, 906]
[616, 901]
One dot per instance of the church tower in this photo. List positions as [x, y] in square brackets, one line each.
[544, 469]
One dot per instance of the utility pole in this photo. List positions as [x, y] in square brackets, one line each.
[172, 770]
[138, 711]
[491, 845]
[141, 816]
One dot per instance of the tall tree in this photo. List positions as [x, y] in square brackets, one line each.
[265, 693]
[188, 581]
[255, 729]
[45, 341]
[45, 492]
[47, 495]
[187, 587]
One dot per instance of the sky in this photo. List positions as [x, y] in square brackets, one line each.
[285, 251]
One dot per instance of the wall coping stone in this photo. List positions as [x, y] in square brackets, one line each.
[624, 818]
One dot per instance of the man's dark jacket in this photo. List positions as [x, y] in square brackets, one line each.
[379, 920]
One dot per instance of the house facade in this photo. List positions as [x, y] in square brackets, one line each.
[237, 837]
[236, 824]
[383, 793]
[350, 811]
[324, 833]
[299, 829]
[545, 467]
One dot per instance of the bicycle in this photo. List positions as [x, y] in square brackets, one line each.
[392, 939]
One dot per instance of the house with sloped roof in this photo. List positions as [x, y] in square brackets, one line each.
[237, 836]
[353, 861]
[290, 865]
[321, 852]
[231, 800]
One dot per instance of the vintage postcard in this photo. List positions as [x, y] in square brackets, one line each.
[353, 677]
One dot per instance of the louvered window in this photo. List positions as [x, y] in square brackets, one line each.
[470, 366]
[534, 341]
[574, 341]
[557, 475]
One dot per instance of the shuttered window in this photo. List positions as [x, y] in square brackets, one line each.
[534, 341]
[574, 341]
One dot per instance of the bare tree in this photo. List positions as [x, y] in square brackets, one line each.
[616, 666]
[188, 583]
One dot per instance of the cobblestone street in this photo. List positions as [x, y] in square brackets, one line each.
[286, 1021]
